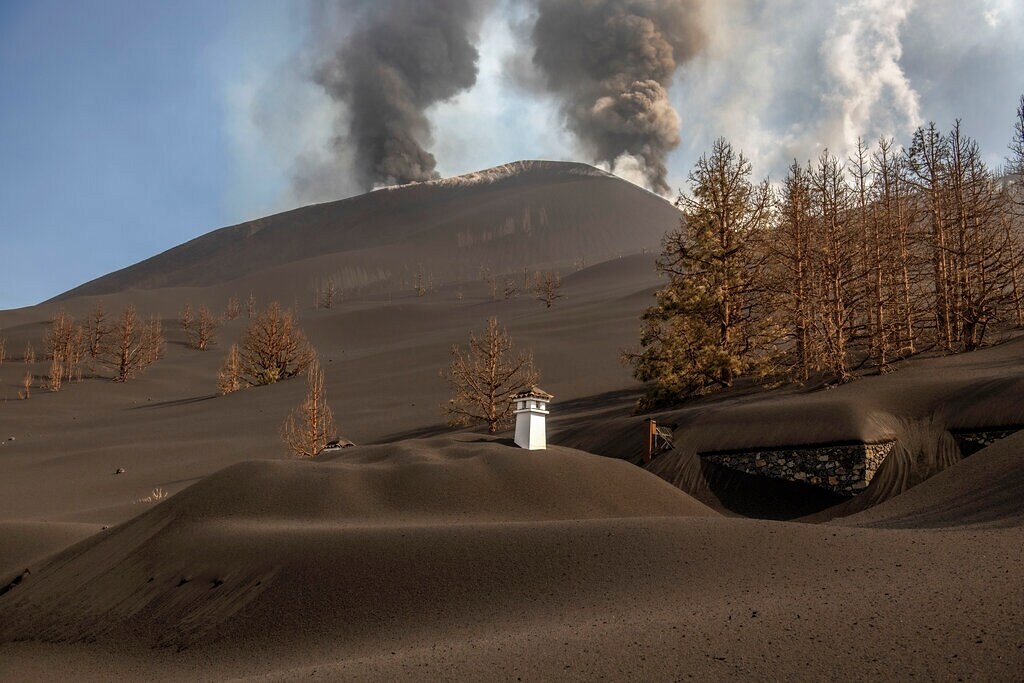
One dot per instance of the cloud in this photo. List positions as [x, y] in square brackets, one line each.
[384, 64]
[609, 64]
[643, 87]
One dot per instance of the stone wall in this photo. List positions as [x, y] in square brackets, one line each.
[971, 442]
[845, 469]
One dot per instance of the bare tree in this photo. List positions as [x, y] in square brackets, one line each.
[547, 288]
[328, 291]
[229, 379]
[273, 348]
[135, 345]
[308, 428]
[186, 319]
[3, 350]
[1013, 223]
[233, 309]
[55, 377]
[199, 329]
[893, 230]
[64, 344]
[838, 263]
[250, 306]
[1014, 257]
[510, 289]
[484, 378]
[26, 386]
[791, 275]
[927, 162]
[97, 333]
[978, 246]
[1015, 161]
[872, 239]
[30, 353]
[423, 282]
[492, 285]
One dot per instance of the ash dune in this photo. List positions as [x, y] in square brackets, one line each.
[476, 559]
[982, 491]
[428, 552]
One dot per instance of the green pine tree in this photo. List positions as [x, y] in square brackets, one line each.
[709, 325]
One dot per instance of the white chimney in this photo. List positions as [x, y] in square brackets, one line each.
[531, 407]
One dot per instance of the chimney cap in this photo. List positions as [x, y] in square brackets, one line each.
[533, 392]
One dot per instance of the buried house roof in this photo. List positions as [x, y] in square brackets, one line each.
[533, 392]
[338, 444]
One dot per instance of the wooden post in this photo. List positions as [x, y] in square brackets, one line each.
[652, 429]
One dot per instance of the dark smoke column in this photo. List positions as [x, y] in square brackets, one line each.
[393, 60]
[611, 62]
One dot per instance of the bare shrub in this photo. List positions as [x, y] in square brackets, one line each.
[97, 335]
[65, 347]
[204, 328]
[56, 374]
[233, 308]
[548, 288]
[273, 348]
[484, 378]
[308, 428]
[229, 379]
[326, 293]
[423, 283]
[155, 495]
[490, 282]
[135, 345]
[186, 319]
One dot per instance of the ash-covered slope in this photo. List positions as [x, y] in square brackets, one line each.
[527, 214]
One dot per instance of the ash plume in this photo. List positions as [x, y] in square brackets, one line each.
[386, 62]
[611, 62]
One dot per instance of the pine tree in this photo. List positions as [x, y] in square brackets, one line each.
[707, 327]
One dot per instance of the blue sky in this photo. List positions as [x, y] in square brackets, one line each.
[113, 132]
[127, 128]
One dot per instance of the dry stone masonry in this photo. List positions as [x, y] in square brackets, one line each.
[846, 469]
[970, 442]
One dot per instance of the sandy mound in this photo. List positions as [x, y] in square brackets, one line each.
[982, 491]
[187, 566]
[658, 598]
[26, 543]
[476, 560]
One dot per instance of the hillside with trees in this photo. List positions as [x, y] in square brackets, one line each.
[847, 266]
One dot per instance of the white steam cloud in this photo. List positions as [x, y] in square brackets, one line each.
[643, 87]
[871, 95]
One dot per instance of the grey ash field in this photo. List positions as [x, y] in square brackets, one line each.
[428, 552]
